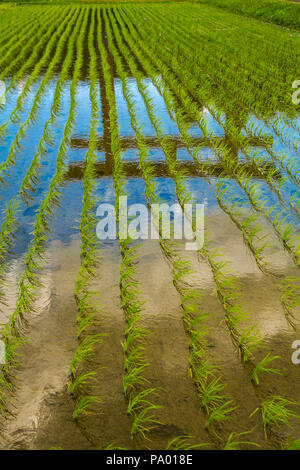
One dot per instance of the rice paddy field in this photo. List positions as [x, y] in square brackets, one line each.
[141, 344]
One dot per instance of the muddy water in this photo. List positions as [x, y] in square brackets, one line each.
[167, 350]
[261, 300]
[43, 408]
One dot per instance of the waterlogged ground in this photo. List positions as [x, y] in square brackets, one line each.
[92, 122]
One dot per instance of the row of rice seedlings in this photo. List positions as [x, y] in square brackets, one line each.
[246, 220]
[275, 214]
[277, 182]
[30, 282]
[7, 234]
[210, 388]
[290, 164]
[288, 286]
[288, 182]
[135, 385]
[227, 446]
[88, 302]
[248, 340]
[23, 42]
[10, 223]
[147, 173]
[228, 128]
[253, 96]
[249, 227]
[234, 332]
[12, 21]
[285, 134]
[15, 147]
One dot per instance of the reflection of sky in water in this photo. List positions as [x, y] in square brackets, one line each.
[141, 110]
[71, 201]
[130, 155]
[160, 109]
[136, 190]
[13, 127]
[183, 155]
[122, 109]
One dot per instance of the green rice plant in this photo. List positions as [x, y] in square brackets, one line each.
[83, 379]
[233, 442]
[83, 405]
[140, 405]
[135, 355]
[88, 301]
[140, 400]
[30, 279]
[212, 396]
[250, 340]
[145, 421]
[8, 228]
[134, 378]
[218, 64]
[262, 366]
[221, 413]
[14, 22]
[276, 412]
[35, 61]
[289, 288]
[10, 223]
[248, 224]
[85, 350]
[272, 11]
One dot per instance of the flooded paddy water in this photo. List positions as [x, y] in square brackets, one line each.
[133, 344]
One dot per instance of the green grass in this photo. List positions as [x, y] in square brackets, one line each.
[272, 11]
